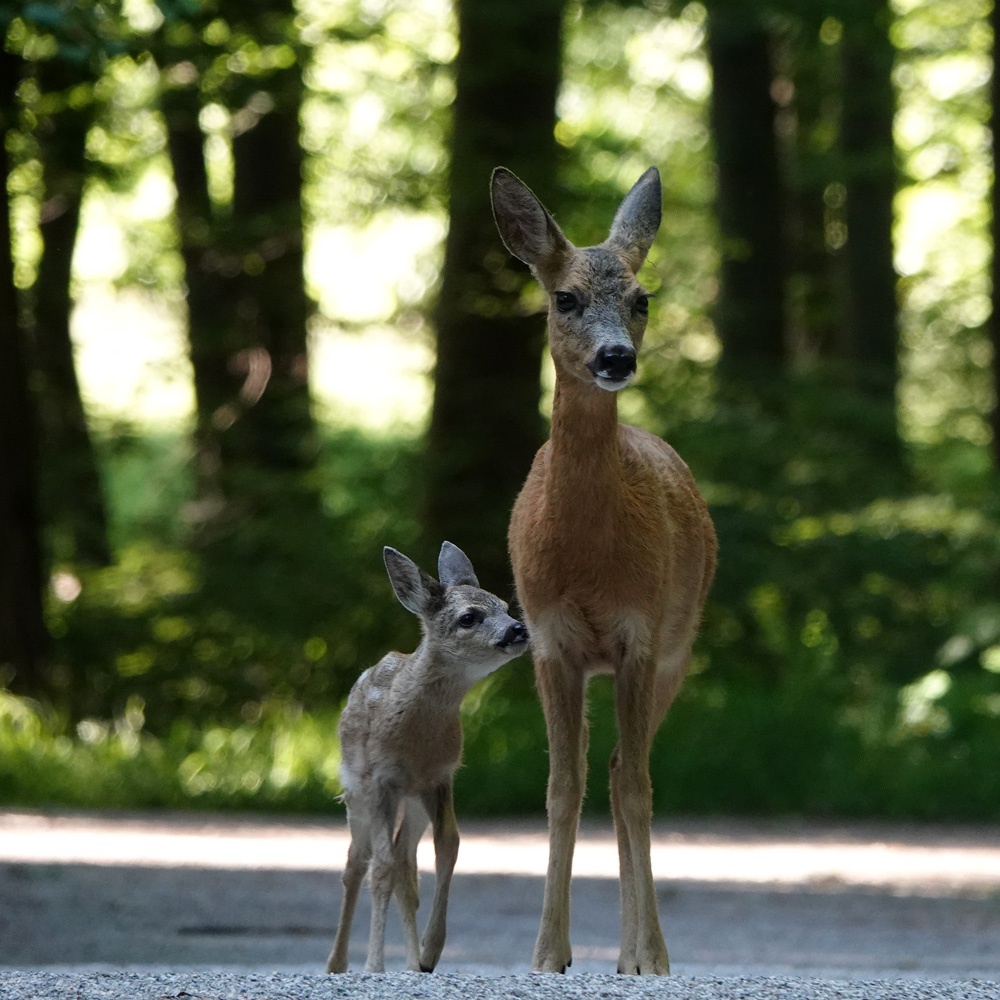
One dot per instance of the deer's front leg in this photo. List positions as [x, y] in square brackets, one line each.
[440, 805]
[383, 875]
[561, 688]
[358, 856]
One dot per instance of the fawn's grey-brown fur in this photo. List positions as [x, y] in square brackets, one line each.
[401, 740]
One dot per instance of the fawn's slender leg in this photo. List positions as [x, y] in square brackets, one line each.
[561, 687]
[440, 805]
[643, 949]
[358, 856]
[382, 875]
[410, 831]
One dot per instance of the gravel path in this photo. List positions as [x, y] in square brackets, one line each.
[163, 906]
[412, 986]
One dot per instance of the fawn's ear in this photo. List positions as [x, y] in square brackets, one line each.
[637, 220]
[414, 589]
[454, 567]
[526, 228]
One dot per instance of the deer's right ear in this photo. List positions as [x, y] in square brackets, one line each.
[455, 568]
[414, 589]
[526, 228]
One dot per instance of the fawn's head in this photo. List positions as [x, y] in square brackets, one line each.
[461, 622]
[597, 308]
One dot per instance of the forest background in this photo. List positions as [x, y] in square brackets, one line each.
[256, 322]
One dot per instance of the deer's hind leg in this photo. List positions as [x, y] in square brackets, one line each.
[358, 857]
[404, 849]
[383, 873]
[641, 699]
[439, 803]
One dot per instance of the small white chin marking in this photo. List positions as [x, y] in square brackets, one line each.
[611, 385]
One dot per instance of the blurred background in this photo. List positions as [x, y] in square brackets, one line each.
[256, 322]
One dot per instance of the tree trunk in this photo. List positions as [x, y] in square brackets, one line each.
[23, 639]
[485, 422]
[815, 320]
[869, 104]
[247, 306]
[272, 306]
[204, 265]
[994, 324]
[72, 493]
[750, 309]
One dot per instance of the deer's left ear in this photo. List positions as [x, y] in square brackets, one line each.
[637, 220]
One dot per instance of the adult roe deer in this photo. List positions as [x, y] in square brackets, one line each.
[401, 740]
[613, 552]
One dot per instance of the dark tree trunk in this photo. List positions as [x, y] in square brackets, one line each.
[869, 104]
[72, 494]
[815, 320]
[750, 309]
[994, 324]
[273, 308]
[204, 267]
[23, 639]
[485, 423]
[247, 307]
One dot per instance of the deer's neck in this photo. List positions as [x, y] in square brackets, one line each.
[584, 456]
[429, 679]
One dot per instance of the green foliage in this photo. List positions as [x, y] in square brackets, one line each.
[282, 760]
[850, 656]
[849, 661]
[80, 33]
[289, 609]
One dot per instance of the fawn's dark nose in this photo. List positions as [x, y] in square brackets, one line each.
[516, 634]
[616, 363]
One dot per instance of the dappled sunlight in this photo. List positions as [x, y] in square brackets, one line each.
[377, 380]
[813, 856]
[367, 271]
[851, 618]
[365, 275]
[131, 357]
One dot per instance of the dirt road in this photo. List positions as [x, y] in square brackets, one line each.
[82, 892]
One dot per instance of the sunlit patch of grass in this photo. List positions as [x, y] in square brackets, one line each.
[284, 760]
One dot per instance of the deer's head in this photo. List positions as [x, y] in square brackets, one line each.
[597, 308]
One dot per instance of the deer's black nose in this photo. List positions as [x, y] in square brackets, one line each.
[615, 363]
[514, 635]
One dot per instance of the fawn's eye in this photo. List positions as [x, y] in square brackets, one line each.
[469, 619]
[565, 302]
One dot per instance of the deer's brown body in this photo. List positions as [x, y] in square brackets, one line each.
[613, 552]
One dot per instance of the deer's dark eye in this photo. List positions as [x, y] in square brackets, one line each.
[565, 302]
[469, 619]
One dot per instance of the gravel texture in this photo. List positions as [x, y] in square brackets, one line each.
[155, 907]
[412, 986]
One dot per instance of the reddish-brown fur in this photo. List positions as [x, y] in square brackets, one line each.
[613, 552]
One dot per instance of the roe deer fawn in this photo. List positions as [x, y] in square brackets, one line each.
[612, 548]
[401, 740]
